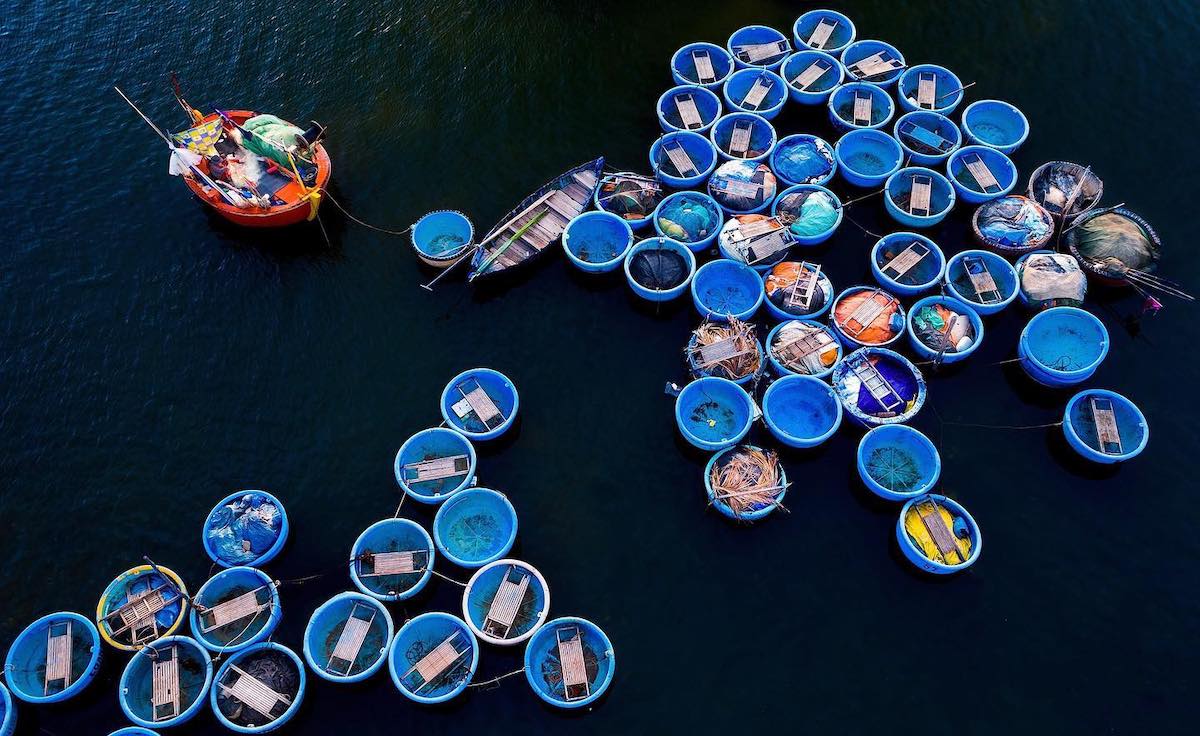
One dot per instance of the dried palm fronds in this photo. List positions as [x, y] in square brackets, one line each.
[748, 480]
[725, 350]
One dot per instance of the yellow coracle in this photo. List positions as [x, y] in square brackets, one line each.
[918, 532]
[157, 599]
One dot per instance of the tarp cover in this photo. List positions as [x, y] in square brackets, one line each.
[279, 137]
[1114, 235]
[815, 212]
[252, 518]
[1014, 222]
[1052, 280]
[658, 269]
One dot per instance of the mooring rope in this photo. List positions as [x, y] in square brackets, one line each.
[1004, 426]
[367, 225]
[447, 578]
[495, 680]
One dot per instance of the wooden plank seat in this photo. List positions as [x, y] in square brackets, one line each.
[920, 195]
[941, 535]
[572, 664]
[704, 67]
[981, 173]
[926, 137]
[876, 384]
[58, 657]
[506, 603]
[234, 610]
[805, 349]
[439, 660]
[756, 229]
[758, 92]
[253, 693]
[811, 74]
[477, 401]
[821, 34]
[439, 468]
[866, 313]
[689, 114]
[137, 616]
[904, 261]
[709, 355]
[350, 641]
[736, 187]
[679, 158]
[863, 101]
[1108, 435]
[765, 247]
[739, 137]
[981, 280]
[164, 688]
[926, 90]
[753, 53]
[875, 65]
[391, 563]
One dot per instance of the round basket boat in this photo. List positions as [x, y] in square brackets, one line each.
[1049, 279]
[944, 329]
[436, 463]
[433, 658]
[734, 243]
[27, 668]
[841, 106]
[928, 138]
[758, 91]
[659, 269]
[803, 347]
[758, 46]
[811, 76]
[713, 413]
[475, 527]
[1067, 190]
[131, 731]
[812, 212]
[596, 242]
[440, 237]
[1110, 243]
[480, 391]
[268, 673]
[194, 669]
[836, 31]
[865, 49]
[589, 656]
[867, 316]
[982, 280]
[866, 158]
[8, 712]
[1062, 346]
[761, 141]
[870, 402]
[632, 197]
[801, 411]
[1105, 427]
[237, 607]
[723, 289]
[907, 263]
[683, 171]
[684, 69]
[997, 174]
[896, 462]
[692, 218]
[801, 158]
[247, 528]
[898, 197]
[347, 638]
[995, 124]
[136, 583]
[505, 602]
[688, 98]
[392, 560]
[796, 290]
[1013, 225]
[743, 187]
[743, 362]
[953, 526]
[947, 89]
[745, 483]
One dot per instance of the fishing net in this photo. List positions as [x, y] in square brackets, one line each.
[475, 536]
[1052, 280]
[804, 160]
[786, 286]
[1118, 235]
[658, 268]
[244, 529]
[689, 217]
[631, 197]
[1013, 223]
[747, 480]
[742, 355]
[742, 186]
[274, 670]
[272, 138]
[805, 348]
[894, 469]
[808, 212]
[943, 328]
[1065, 189]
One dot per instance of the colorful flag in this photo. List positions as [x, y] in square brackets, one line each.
[202, 138]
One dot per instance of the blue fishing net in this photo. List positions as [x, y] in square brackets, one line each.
[244, 529]
[689, 218]
[804, 161]
[811, 212]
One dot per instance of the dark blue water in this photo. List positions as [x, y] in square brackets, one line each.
[152, 360]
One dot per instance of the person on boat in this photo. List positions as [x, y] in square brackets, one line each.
[217, 168]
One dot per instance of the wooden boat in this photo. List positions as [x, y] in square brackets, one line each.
[537, 222]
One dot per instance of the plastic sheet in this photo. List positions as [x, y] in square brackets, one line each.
[804, 160]
[1052, 280]
[1015, 223]
[726, 185]
[243, 530]
[932, 325]
[811, 212]
[658, 269]
[689, 218]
